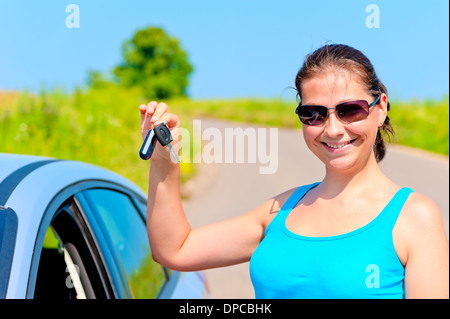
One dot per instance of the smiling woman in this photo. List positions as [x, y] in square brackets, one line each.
[355, 234]
[347, 134]
[346, 62]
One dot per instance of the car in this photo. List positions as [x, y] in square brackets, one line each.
[73, 230]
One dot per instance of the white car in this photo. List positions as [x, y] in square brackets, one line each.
[74, 230]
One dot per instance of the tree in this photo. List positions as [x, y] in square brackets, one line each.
[156, 62]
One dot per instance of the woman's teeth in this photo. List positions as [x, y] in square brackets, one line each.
[337, 145]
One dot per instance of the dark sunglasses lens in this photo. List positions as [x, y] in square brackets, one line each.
[353, 111]
[312, 114]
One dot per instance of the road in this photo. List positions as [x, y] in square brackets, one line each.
[222, 190]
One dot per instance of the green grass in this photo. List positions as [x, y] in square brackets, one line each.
[101, 126]
[256, 111]
[422, 124]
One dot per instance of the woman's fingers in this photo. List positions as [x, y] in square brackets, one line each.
[147, 112]
[155, 113]
[161, 109]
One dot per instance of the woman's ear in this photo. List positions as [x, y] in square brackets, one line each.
[383, 109]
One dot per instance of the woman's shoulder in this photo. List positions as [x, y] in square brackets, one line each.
[421, 209]
[282, 198]
[421, 235]
[420, 215]
[274, 205]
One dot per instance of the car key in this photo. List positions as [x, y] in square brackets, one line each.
[161, 133]
[164, 137]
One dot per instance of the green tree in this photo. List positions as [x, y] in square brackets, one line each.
[155, 62]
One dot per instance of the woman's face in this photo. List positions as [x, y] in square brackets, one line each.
[341, 145]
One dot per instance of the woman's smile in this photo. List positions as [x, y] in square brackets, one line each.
[338, 147]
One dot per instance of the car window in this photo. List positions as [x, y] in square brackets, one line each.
[127, 232]
[53, 280]
[69, 266]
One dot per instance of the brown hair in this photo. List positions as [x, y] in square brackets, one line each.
[344, 57]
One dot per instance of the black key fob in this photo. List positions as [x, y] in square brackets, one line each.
[148, 146]
[163, 134]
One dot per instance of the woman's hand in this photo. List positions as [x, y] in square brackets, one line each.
[154, 114]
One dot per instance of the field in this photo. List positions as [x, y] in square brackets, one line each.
[101, 126]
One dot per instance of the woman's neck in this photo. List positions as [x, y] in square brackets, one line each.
[369, 176]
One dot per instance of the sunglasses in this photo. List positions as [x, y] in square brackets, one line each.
[347, 112]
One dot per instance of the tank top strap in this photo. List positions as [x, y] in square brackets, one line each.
[296, 196]
[391, 211]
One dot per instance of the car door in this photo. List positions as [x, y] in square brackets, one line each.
[95, 246]
[120, 216]
[8, 230]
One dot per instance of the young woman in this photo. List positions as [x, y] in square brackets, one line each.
[355, 234]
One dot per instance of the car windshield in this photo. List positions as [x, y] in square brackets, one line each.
[8, 230]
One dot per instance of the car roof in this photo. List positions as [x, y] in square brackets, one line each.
[47, 176]
[68, 169]
[36, 181]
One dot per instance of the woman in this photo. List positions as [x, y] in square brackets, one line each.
[356, 234]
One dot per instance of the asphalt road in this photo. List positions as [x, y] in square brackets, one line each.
[224, 190]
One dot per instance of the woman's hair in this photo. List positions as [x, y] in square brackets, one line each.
[343, 57]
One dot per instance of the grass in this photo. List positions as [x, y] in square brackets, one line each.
[422, 124]
[101, 126]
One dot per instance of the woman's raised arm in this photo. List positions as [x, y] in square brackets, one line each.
[173, 242]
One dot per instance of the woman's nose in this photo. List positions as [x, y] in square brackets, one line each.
[333, 126]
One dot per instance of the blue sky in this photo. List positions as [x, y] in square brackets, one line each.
[239, 48]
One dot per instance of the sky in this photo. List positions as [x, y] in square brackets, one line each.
[238, 48]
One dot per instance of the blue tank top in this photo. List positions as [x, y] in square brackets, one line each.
[361, 264]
